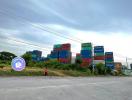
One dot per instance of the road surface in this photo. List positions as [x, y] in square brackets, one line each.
[53, 88]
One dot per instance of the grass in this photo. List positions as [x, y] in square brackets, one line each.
[35, 71]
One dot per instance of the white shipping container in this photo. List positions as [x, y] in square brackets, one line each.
[98, 61]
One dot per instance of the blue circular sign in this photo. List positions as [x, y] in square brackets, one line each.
[18, 64]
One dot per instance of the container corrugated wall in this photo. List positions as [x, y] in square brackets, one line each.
[78, 58]
[86, 54]
[99, 55]
[36, 55]
[109, 60]
[62, 52]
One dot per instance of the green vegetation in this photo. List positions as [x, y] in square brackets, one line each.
[100, 69]
[36, 71]
[6, 56]
[27, 57]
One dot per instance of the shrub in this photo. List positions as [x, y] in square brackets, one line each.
[100, 69]
[2, 65]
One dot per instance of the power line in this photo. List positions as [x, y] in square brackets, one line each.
[49, 31]
[47, 49]
[43, 28]
[27, 43]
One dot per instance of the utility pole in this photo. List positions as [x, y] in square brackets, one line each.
[93, 64]
[126, 62]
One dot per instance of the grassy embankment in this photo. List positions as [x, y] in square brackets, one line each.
[6, 70]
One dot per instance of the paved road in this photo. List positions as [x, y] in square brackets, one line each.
[52, 88]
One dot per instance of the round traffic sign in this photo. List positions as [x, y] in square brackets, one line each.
[18, 64]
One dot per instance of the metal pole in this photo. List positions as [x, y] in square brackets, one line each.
[126, 62]
[92, 59]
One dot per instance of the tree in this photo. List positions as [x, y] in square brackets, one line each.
[78, 61]
[100, 68]
[7, 56]
[108, 70]
[27, 57]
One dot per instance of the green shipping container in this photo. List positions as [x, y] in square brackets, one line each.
[54, 59]
[99, 54]
[86, 45]
[57, 46]
[34, 56]
[78, 57]
[86, 48]
[109, 62]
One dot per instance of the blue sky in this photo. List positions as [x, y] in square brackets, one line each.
[103, 22]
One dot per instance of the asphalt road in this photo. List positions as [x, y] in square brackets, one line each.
[52, 88]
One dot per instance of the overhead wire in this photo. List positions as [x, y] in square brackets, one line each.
[51, 31]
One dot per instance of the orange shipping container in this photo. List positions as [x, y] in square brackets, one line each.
[118, 66]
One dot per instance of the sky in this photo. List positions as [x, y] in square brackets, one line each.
[44, 23]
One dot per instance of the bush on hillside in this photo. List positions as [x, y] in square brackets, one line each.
[2, 65]
[100, 69]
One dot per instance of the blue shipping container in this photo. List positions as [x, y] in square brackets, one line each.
[108, 53]
[86, 53]
[99, 51]
[109, 65]
[86, 56]
[54, 54]
[98, 47]
[109, 59]
[64, 54]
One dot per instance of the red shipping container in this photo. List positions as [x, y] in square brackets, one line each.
[99, 57]
[78, 54]
[66, 45]
[108, 56]
[65, 48]
[57, 49]
[89, 60]
[63, 60]
[84, 65]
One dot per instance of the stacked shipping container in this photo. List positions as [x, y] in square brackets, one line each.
[118, 66]
[131, 66]
[78, 57]
[62, 53]
[99, 55]
[109, 60]
[36, 55]
[86, 54]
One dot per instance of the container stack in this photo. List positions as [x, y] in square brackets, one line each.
[78, 58]
[131, 66]
[109, 60]
[118, 66]
[99, 55]
[54, 55]
[62, 53]
[65, 53]
[36, 55]
[86, 54]
[57, 47]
